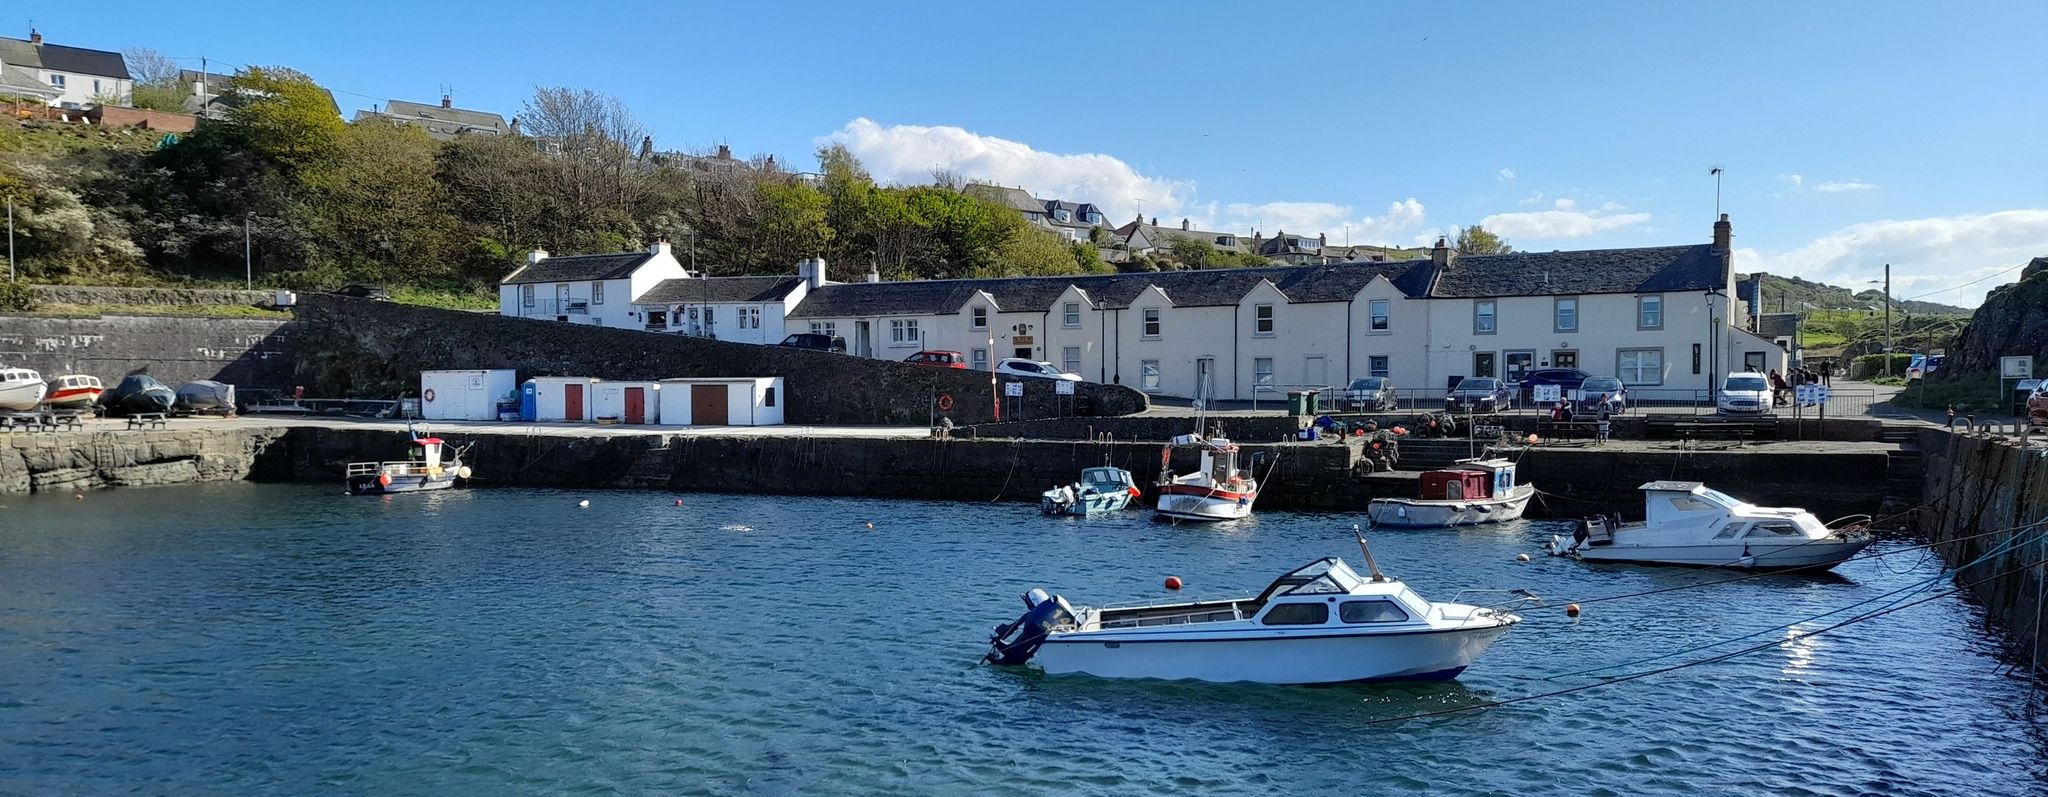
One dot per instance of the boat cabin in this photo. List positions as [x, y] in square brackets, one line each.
[76, 382]
[1469, 479]
[20, 375]
[1693, 508]
[1326, 591]
[1106, 479]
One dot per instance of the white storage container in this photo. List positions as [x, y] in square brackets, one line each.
[465, 395]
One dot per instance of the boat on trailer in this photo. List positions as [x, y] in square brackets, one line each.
[1101, 490]
[1685, 523]
[424, 469]
[74, 392]
[1469, 493]
[1321, 623]
[1220, 490]
[21, 389]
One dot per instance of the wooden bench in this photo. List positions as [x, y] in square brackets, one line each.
[146, 420]
[1569, 429]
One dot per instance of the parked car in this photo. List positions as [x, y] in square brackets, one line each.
[1478, 394]
[1921, 365]
[1566, 380]
[815, 341]
[940, 358]
[1371, 394]
[1034, 369]
[1597, 389]
[1744, 393]
[364, 292]
[2037, 405]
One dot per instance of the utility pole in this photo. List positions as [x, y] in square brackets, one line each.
[1887, 319]
[248, 261]
[10, 237]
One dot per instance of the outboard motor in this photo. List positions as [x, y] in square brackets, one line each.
[1016, 642]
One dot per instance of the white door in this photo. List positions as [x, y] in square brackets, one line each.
[561, 299]
[1315, 371]
[1205, 382]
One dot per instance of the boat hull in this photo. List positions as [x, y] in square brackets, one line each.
[1419, 513]
[370, 485]
[1207, 507]
[21, 396]
[1789, 555]
[74, 398]
[1097, 504]
[1305, 657]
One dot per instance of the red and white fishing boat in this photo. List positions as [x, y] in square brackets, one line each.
[1219, 491]
[74, 392]
[1471, 492]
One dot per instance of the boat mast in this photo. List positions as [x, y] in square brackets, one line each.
[1370, 566]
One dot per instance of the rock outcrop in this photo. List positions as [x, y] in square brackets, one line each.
[88, 460]
[2013, 320]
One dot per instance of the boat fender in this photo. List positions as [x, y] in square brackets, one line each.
[1400, 511]
[383, 480]
[1135, 492]
[464, 472]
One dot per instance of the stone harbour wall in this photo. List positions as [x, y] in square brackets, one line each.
[1983, 495]
[97, 294]
[55, 462]
[245, 352]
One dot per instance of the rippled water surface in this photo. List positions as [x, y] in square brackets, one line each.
[288, 639]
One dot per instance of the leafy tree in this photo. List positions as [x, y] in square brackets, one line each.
[284, 117]
[1032, 253]
[376, 210]
[793, 223]
[1191, 252]
[1477, 240]
[1088, 258]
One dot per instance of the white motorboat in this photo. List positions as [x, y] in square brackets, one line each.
[1685, 523]
[1320, 624]
[74, 392]
[1101, 490]
[21, 389]
[1220, 490]
[1471, 492]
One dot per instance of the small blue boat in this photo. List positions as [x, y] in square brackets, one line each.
[1100, 490]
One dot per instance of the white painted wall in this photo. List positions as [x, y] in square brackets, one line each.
[610, 307]
[466, 395]
[84, 91]
[749, 401]
[611, 400]
[550, 402]
[1607, 325]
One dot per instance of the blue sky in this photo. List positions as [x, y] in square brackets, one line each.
[1852, 134]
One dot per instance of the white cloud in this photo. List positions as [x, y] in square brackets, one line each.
[1837, 186]
[1566, 204]
[1566, 221]
[1507, 175]
[1927, 255]
[1794, 180]
[908, 154]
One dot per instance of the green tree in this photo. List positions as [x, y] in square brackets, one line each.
[375, 210]
[1191, 252]
[1032, 253]
[793, 223]
[285, 117]
[1477, 240]
[965, 234]
[1088, 258]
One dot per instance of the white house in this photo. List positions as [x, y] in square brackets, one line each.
[587, 289]
[740, 309]
[67, 77]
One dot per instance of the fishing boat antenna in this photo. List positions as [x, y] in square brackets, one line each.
[1371, 566]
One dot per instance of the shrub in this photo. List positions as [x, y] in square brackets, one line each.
[1965, 392]
[17, 295]
[1870, 365]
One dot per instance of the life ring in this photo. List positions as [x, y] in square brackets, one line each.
[429, 395]
[945, 403]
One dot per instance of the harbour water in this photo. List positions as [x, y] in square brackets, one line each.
[243, 638]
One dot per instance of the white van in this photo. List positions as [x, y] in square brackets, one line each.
[1744, 393]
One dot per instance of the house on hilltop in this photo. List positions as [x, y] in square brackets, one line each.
[65, 77]
[444, 122]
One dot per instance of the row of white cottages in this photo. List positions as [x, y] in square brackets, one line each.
[1660, 318]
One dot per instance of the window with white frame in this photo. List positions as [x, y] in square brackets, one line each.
[825, 327]
[1650, 312]
[1151, 327]
[979, 359]
[526, 295]
[980, 318]
[1482, 316]
[1380, 321]
[750, 318]
[1070, 359]
[1567, 314]
[1640, 366]
[710, 320]
[1376, 365]
[1148, 375]
[57, 81]
[903, 332]
[1262, 371]
[1262, 319]
[1070, 315]
[597, 293]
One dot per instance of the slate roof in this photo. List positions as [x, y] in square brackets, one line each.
[80, 60]
[571, 268]
[21, 80]
[719, 290]
[441, 123]
[1162, 237]
[1013, 198]
[1641, 270]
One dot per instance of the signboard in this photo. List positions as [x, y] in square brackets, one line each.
[1810, 395]
[2020, 367]
[1063, 387]
[1013, 388]
[1548, 393]
[1020, 340]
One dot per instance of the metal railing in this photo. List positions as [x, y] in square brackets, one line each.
[548, 308]
[392, 468]
[1840, 402]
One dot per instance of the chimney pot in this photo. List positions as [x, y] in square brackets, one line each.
[1155, 221]
[35, 36]
[724, 152]
[447, 101]
[1724, 235]
[1183, 224]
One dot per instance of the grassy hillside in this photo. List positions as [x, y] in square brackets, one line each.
[1795, 295]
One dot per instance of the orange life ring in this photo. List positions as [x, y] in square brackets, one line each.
[429, 395]
[945, 403]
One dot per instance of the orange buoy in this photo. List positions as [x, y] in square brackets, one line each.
[1173, 582]
[383, 480]
[1571, 610]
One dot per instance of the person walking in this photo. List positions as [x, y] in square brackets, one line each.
[1777, 389]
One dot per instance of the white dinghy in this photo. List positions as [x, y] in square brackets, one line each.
[1322, 623]
[1685, 523]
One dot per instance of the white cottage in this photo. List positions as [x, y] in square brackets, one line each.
[738, 309]
[587, 289]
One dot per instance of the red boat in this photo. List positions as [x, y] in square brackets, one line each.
[74, 392]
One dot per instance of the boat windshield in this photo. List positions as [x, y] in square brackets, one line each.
[1102, 476]
[1321, 577]
[1718, 498]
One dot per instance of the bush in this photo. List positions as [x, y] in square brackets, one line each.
[1870, 365]
[17, 295]
[1965, 392]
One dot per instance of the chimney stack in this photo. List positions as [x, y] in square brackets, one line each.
[1440, 255]
[812, 271]
[35, 36]
[1724, 235]
[646, 147]
[659, 247]
[536, 256]
[1322, 239]
[724, 152]
[1155, 221]
[1183, 224]
[515, 125]
[447, 101]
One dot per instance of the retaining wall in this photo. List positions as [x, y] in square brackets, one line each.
[1978, 489]
[88, 460]
[245, 352]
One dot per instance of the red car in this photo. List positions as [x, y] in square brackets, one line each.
[942, 359]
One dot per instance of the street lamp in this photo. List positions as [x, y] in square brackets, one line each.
[1887, 318]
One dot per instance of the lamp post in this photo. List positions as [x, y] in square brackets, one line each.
[1888, 342]
[248, 259]
[10, 237]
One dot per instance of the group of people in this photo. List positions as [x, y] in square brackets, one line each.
[1783, 385]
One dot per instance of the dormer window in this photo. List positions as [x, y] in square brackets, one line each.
[1092, 217]
[1063, 215]
[1226, 240]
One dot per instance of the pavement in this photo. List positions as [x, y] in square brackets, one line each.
[581, 430]
[1879, 406]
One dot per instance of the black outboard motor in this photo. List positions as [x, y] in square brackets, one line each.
[1016, 642]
